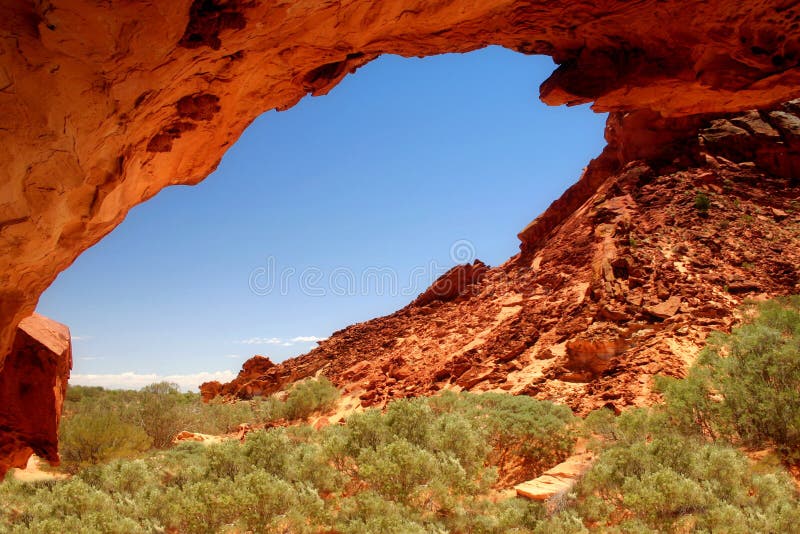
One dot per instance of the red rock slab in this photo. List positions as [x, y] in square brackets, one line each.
[33, 384]
[556, 481]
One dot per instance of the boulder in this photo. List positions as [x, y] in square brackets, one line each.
[33, 384]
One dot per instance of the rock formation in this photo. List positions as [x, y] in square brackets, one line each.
[454, 283]
[33, 383]
[556, 481]
[619, 280]
[103, 104]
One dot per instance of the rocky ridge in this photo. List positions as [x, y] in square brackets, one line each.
[602, 298]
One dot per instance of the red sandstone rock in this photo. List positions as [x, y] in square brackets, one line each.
[456, 282]
[257, 364]
[205, 439]
[621, 280]
[557, 481]
[209, 390]
[102, 104]
[242, 385]
[33, 383]
[666, 309]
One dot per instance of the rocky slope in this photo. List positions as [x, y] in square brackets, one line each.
[620, 280]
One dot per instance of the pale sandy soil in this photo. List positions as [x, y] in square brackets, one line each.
[33, 472]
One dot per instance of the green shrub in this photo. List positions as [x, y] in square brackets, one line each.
[269, 450]
[516, 427]
[369, 513]
[744, 386]
[308, 397]
[220, 416]
[269, 504]
[99, 436]
[202, 506]
[160, 413]
[225, 460]
[702, 202]
[664, 481]
[395, 470]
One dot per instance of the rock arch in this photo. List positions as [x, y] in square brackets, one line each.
[104, 104]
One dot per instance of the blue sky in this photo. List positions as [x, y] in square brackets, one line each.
[356, 201]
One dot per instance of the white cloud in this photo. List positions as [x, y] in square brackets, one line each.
[90, 358]
[81, 338]
[131, 380]
[279, 341]
[262, 341]
[233, 356]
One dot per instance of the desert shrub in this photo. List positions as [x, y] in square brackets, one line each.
[278, 453]
[126, 478]
[662, 480]
[308, 397]
[539, 433]
[702, 202]
[369, 513]
[269, 504]
[68, 506]
[80, 393]
[366, 430]
[225, 460]
[744, 387]
[222, 417]
[269, 450]
[420, 466]
[203, 506]
[161, 413]
[478, 431]
[161, 410]
[566, 522]
[455, 435]
[483, 516]
[396, 469]
[99, 436]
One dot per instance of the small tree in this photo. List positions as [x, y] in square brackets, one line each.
[99, 436]
[745, 384]
[160, 412]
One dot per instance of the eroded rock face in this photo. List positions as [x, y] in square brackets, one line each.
[621, 279]
[102, 104]
[454, 283]
[33, 383]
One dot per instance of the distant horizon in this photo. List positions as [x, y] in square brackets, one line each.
[337, 211]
